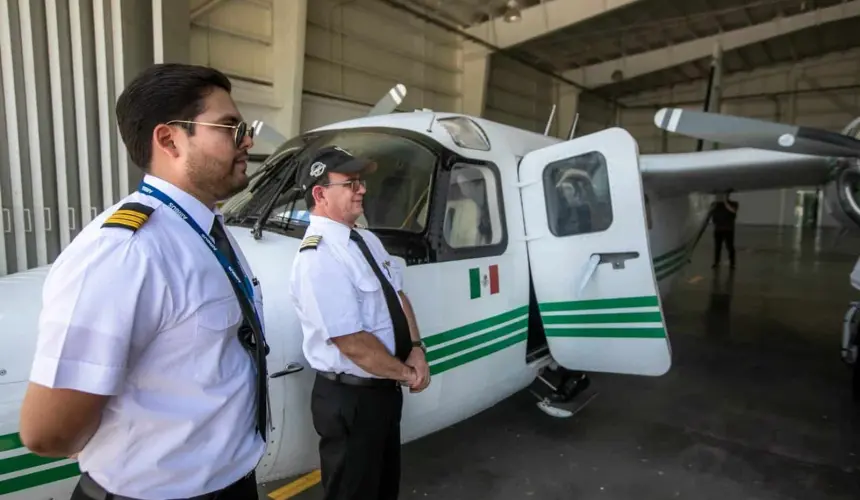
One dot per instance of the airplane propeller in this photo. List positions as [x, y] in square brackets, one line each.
[752, 133]
[389, 101]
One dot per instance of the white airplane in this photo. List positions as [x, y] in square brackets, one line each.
[527, 257]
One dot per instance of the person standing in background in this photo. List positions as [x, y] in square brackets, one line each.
[723, 214]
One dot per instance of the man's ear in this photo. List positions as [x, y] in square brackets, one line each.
[164, 139]
[317, 192]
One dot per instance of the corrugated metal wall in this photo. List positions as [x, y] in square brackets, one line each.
[356, 51]
[518, 95]
[771, 99]
[61, 160]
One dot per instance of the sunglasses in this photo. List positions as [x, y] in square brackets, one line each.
[240, 130]
[354, 184]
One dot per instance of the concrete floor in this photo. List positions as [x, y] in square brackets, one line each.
[756, 406]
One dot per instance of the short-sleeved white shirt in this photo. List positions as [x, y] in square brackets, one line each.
[150, 318]
[335, 292]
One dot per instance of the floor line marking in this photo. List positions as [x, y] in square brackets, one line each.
[299, 485]
[695, 279]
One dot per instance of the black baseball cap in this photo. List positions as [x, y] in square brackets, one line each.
[332, 159]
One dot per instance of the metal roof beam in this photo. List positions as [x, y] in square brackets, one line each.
[600, 74]
[542, 19]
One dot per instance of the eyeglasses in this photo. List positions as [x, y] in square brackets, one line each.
[240, 130]
[354, 184]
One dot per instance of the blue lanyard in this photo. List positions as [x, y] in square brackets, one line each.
[243, 282]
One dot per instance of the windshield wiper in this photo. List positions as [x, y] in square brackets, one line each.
[290, 175]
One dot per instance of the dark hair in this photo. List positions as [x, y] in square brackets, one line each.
[310, 203]
[161, 93]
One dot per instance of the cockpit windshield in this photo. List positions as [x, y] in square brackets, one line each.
[397, 194]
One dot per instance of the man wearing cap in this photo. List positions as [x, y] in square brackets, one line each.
[360, 333]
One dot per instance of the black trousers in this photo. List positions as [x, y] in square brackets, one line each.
[359, 429]
[727, 237]
[243, 489]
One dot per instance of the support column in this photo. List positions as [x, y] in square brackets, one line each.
[567, 104]
[476, 69]
[171, 31]
[290, 25]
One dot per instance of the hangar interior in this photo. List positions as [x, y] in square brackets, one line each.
[300, 64]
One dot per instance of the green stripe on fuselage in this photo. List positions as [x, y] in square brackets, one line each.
[9, 442]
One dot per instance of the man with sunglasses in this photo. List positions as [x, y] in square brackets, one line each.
[150, 363]
[360, 333]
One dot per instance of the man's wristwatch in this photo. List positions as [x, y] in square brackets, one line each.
[419, 344]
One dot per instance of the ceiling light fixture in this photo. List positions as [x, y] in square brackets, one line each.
[513, 12]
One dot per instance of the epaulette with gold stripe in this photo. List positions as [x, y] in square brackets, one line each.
[131, 215]
[310, 242]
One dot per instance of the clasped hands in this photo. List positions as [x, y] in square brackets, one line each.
[420, 378]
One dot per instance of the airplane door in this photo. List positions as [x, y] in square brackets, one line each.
[589, 255]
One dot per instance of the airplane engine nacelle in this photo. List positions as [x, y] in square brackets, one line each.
[842, 193]
[842, 196]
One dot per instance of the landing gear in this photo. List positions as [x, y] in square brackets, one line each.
[559, 389]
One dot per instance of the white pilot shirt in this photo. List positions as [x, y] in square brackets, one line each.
[335, 292]
[150, 318]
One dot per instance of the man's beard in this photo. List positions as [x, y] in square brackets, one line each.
[216, 178]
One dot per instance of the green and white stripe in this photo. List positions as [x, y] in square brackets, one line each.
[453, 348]
[671, 262]
[20, 469]
[629, 317]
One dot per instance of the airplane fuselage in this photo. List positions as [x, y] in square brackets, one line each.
[495, 354]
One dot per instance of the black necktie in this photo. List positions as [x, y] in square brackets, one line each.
[402, 339]
[250, 332]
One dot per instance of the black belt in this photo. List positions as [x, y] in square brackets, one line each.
[346, 378]
[95, 491]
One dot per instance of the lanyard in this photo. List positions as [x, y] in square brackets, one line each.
[241, 283]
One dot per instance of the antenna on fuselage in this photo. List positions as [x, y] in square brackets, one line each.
[549, 122]
[573, 127]
[432, 119]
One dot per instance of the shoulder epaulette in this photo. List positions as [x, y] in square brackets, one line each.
[131, 215]
[310, 242]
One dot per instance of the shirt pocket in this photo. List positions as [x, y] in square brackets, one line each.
[371, 303]
[218, 355]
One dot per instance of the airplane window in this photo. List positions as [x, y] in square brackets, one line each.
[578, 199]
[472, 209]
[397, 193]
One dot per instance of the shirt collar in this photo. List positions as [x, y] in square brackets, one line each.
[336, 231]
[194, 207]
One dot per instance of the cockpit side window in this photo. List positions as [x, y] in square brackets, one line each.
[578, 199]
[468, 219]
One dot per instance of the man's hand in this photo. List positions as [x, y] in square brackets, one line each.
[417, 360]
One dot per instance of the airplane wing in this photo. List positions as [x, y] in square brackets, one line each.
[764, 155]
[738, 169]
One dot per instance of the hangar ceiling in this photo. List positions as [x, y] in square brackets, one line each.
[643, 26]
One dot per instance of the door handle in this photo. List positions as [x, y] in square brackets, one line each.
[291, 368]
[615, 258]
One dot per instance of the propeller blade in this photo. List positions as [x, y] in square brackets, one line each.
[389, 101]
[267, 133]
[748, 132]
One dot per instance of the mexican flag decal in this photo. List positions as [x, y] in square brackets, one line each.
[484, 281]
